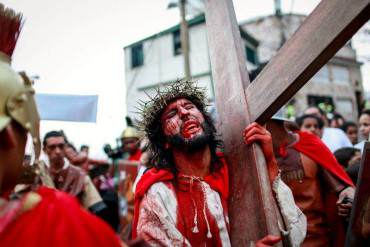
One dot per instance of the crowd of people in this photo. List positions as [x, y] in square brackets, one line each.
[167, 184]
[344, 138]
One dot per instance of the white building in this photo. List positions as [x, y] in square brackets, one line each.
[158, 60]
[338, 83]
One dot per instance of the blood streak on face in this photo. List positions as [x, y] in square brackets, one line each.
[182, 117]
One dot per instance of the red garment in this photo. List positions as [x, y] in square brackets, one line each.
[133, 169]
[136, 156]
[191, 203]
[57, 220]
[313, 147]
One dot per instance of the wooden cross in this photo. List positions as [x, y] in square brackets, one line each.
[252, 208]
[359, 221]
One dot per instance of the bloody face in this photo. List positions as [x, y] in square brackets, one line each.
[183, 124]
[311, 125]
[55, 150]
[364, 123]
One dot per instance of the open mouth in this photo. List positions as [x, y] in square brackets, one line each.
[190, 127]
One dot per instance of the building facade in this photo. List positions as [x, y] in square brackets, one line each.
[158, 60]
[336, 87]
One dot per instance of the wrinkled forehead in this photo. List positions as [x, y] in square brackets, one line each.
[175, 103]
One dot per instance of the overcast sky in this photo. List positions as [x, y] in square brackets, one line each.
[76, 47]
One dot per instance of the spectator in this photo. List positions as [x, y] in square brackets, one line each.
[347, 156]
[350, 128]
[364, 128]
[310, 123]
[334, 138]
[67, 177]
[353, 170]
[337, 121]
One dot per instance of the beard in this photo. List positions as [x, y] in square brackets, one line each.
[193, 144]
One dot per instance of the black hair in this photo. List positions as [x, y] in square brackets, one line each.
[353, 171]
[365, 112]
[84, 146]
[53, 133]
[346, 125]
[343, 155]
[300, 120]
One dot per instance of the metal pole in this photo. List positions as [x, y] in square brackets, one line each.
[184, 32]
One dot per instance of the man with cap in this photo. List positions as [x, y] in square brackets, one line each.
[182, 201]
[128, 168]
[44, 216]
[130, 140]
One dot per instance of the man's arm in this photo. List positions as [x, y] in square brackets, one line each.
[294, 219]
[256, 133]
[345, 193]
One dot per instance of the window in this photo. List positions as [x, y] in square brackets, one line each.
[176, 42]
[251, 55]
[324, 102]
[344, 105]
[340, 75]
[322, 75]
[137, 55]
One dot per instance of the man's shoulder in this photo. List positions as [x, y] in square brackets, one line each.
[153, 176]
[54, 196]
[57, 208]
[161, 187]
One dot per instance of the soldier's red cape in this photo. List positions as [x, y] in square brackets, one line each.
[57, 220]
[218, 181]
[314, 148]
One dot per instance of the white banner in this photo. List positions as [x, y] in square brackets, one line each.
[75, 108]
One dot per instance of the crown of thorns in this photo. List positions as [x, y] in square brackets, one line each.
[151, 110]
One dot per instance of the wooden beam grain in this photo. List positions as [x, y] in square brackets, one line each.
[252, 209]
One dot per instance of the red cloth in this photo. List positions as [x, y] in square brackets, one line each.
[136, 156]
[314, 148]
[57, 220]
[218, 181]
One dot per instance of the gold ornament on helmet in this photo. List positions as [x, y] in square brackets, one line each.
[16, 93]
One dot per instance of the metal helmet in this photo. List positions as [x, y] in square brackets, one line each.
[17, 101]
[130, 132]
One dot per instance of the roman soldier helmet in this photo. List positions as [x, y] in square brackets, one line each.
[16, 93]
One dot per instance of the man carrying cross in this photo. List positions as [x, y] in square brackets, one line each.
[183, 199]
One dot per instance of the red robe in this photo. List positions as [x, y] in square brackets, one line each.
[56, 220]
[195, 217]
[315, 149]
